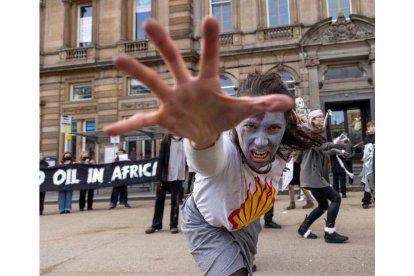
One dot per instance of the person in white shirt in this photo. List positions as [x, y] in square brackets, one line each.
[236, 174]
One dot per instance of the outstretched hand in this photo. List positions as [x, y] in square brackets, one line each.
[195, 107]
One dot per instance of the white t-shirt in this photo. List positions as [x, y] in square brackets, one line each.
[226, 191]
[176, 163]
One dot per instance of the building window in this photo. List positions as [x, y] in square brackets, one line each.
[136, 88]
[142, 13]
[343, 72]
[228, 86]
[337, 6]
[222, 11]
[88, 144]
[81, 91]
[84, 25]
[288, 80]
[277, 13]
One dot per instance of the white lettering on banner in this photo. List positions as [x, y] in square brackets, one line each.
[133, 171]
[116, 174]
[41, 177]
[154, 169]
[69, 177]
[145, 169]
[95, 175]
[125, 170]
[59, 177]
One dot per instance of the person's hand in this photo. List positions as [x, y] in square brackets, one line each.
[195, 107]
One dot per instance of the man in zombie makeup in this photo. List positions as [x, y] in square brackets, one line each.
[237, 174]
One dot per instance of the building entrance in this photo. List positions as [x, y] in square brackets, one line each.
[351, 118]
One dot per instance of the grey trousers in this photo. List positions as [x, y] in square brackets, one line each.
[218, 251]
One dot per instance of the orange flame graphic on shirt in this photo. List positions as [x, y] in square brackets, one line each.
[254, 206]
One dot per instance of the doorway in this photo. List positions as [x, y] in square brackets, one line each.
[351, 118]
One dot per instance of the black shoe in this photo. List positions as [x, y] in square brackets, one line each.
[173, 230]
[254, 268]
[306, 233]
[67, 211]
[127, 206]
[365, 206]
[151, 230]
[335, 238]
[62, 212]
[271, 224]
[344, 196]
[81, 209]
[112, 207]
[90, 208]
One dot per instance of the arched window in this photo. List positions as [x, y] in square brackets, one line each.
[288, 80]
[228, 86]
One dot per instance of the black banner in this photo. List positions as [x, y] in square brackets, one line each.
[81, 176]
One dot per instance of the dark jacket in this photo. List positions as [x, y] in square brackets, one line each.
[43, 164]
[370, 138]
[336, 167]
[164, 158]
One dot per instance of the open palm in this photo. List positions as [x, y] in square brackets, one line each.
[195, 107]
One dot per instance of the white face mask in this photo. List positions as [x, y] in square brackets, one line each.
[260, 136]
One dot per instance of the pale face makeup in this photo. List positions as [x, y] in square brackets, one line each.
[260, 136]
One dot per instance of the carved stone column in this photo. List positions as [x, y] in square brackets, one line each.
[312, 64]
[66, 25]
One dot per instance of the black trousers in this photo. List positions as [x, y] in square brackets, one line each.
[339, 182]
[322, 195]
[42, 202]
[269, 215]
[122, 193]
[82, 195]
[162, 188]
[348, 166]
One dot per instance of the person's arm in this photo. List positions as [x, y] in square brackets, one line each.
[209, 161]
[195, 107]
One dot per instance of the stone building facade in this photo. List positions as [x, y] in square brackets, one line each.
[324, 51]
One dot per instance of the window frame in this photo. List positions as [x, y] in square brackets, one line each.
[338, 8]
[286, 83]
[78, 19]
[71, 96]
[130, 80]
[223, 77]
[268, 11]
[219, 21]
[134, 20]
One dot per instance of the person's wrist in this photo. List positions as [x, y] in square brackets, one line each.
[205, 143]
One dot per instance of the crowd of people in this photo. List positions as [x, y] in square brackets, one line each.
[236, 148]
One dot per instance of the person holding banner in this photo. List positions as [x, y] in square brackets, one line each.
[42, 164]
[87, 160]
[120, 192]
[236, 174]
[314, 176]
[65, 196]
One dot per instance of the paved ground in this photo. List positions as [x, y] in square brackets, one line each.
[113, 242]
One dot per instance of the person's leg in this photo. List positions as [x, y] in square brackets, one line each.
[114, 197]
[342, 183]
[216, 250]
[90, 198]
[68, 201]
[61, 201]
[366, 200]
[159, 207]
[309, 200]
[124, 194]
[175, 189]
[335, 185]
[331, 236]
[42, 202]
[291, 197]
[82, 194]
[304, 229]
[268, 218]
